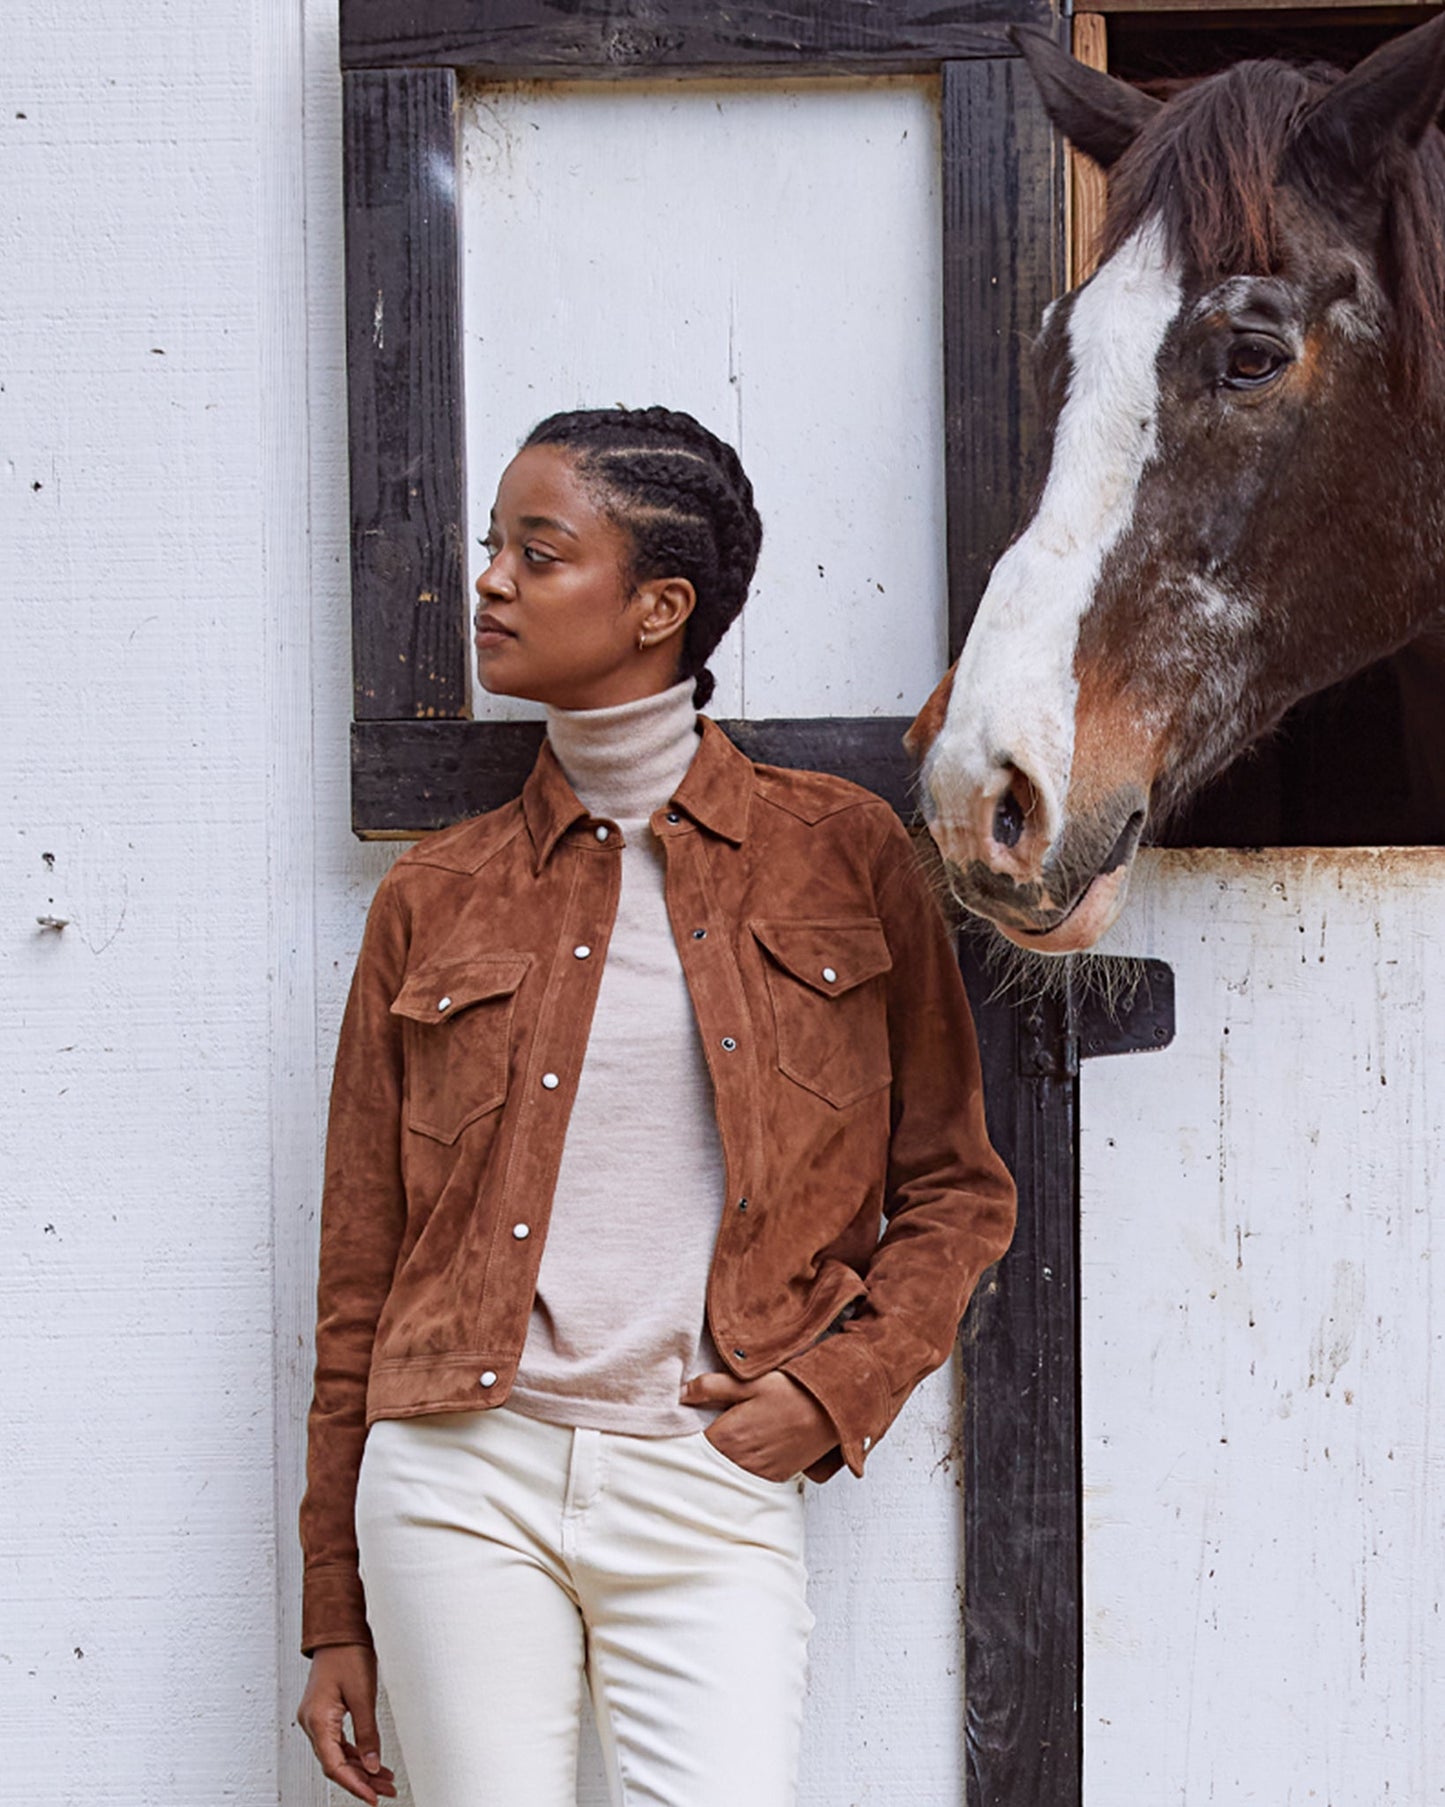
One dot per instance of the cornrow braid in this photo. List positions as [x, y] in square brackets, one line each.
[681, 495]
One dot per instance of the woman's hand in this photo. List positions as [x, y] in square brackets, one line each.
[343, 1681]
[772, 1425]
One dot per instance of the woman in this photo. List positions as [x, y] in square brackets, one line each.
[631, 1072]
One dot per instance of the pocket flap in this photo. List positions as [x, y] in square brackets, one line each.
[828, 956]
[437, 993]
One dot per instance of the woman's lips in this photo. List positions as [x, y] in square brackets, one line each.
[490, 632]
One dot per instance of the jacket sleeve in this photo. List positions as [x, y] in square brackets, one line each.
[949, 1200]
[362, 1219]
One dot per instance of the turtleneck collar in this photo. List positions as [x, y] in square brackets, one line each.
[627, 761]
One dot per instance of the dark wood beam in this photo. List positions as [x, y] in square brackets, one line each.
[1003, 260]
[512, 39]
[403, 348]
[409, 777]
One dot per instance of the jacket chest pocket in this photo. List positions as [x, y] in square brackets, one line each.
[458, 1041]
[831, 1022]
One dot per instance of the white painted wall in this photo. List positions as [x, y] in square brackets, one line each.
[172, 519]
[1264, 1307]
[768, 258]
[173, 526]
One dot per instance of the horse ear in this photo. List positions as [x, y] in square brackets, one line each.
[1097, 113]
[1391, 97]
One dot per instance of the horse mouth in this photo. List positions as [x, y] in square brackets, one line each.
[1081, 925]
[1020, 914]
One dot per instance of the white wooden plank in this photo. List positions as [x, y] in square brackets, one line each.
[885, 1720]
[137, 1529]
[1265, 1530]
[769, 259]
[291, 95]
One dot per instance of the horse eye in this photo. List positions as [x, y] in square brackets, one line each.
[1251, 363]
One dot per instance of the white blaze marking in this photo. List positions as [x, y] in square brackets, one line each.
[1015, 691]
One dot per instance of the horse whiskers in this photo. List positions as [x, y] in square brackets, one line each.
[1111, 980]
[1024, 976]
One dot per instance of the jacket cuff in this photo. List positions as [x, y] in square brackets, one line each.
[842, 1376]
[333, 1607]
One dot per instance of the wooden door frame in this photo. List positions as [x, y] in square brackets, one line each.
[418, 762]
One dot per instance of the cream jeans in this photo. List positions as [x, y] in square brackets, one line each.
[506, 1559]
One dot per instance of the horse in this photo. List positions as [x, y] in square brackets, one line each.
[1244, 438]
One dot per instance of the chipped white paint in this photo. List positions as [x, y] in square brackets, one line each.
[769, 259]
[1264, 1306]
[1015, 690]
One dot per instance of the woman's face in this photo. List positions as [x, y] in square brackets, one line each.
[557, 619]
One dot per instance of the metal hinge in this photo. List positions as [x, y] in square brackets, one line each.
[1088, 1020]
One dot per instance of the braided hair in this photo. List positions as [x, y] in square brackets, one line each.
[683, 499]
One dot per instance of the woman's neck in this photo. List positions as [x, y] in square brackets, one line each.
[627, 761]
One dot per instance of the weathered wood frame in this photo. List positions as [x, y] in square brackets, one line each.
[418, 762]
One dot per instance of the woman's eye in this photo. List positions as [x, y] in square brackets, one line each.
[534, 555]
[1251, 363]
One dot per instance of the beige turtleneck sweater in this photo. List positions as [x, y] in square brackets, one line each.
[618, 1321]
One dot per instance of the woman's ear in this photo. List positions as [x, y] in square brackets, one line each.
[666, 604]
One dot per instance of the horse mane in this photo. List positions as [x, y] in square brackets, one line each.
[1211, 166]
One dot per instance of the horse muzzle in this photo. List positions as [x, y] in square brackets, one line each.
[1077, 886]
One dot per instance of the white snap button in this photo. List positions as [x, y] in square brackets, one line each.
[728, 1044]
[673, 816]
[551, 1081]
[829, 975]
[520, 1231]
[603, 832]
[444, 1003]
[488, 1379]
[581, 953]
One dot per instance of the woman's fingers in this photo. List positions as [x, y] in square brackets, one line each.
[776, 1430]
[338, 1759]
[342, 1682]
[716, 1389]
[380, 1778]
[363, 1728]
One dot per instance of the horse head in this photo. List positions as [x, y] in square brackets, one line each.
[1244, 416]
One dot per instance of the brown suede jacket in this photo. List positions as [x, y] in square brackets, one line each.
[846, 1080]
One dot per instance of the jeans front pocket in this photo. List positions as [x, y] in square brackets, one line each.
[738, 1472]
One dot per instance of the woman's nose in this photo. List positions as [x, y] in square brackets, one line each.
[494, 580]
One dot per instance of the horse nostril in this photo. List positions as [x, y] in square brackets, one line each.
[1008, 821]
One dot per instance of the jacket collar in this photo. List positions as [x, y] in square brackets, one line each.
[716, 793]
[718, 789]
